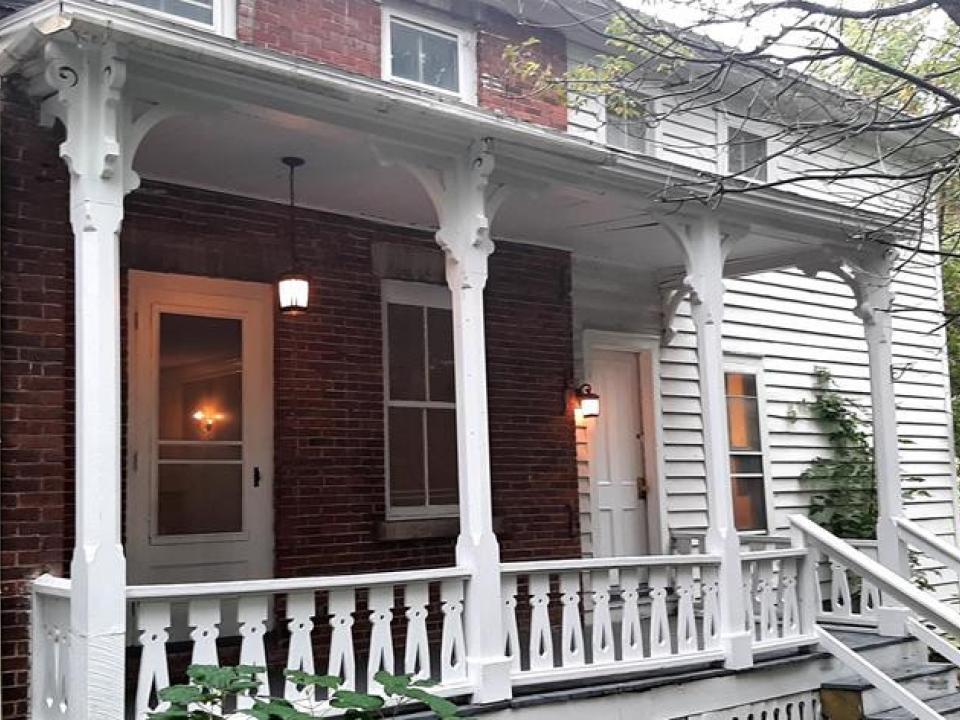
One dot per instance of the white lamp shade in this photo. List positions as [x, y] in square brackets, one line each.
[590, 407]
[294, 293]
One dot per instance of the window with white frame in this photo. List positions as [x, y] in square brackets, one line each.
[627, 125]
[420, 412]
[746, 154]
[425, 52]
[747, 437]
[217, 15]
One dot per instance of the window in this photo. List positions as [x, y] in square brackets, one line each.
[746, 155]
[747, 459]
[218, 15]
[627, 132]
[426, 53]
[420, 412]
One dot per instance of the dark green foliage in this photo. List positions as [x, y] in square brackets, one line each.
[212, 688]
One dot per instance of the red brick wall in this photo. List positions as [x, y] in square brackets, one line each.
[498, 90]
[329, 475]
[346, 34]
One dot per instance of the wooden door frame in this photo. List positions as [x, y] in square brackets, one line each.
[647, 348]
[140, 393]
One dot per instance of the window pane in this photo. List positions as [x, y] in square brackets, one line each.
[440, 341]
[442, 449]
[405, 48]
[743, 423]
[741, 384]
[199, 498]
[747, 153]
[201, 379]
[200, 11]
[749, 505]
[746, 465]
[439, 56]
[627, 133]
[405, 351]
[406, 457]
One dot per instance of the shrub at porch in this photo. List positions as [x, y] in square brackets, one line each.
[212, 689]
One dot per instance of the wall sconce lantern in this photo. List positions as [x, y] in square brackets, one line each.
[293, 286]
[589, 401]
[207, 420]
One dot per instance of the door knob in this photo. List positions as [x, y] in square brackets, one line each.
[256, 476]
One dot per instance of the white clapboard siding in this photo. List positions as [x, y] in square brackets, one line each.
[796, 324]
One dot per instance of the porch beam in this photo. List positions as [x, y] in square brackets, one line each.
[705, 248]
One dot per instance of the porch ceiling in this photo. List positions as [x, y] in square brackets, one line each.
[239, 153]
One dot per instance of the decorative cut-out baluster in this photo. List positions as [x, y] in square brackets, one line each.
[571, 634]
[789, 601]
[54, 656]
[631, 629]
[204, 617]
[687, 641]
[301, 607]
[710, 589]
[153, 620]
[416, 656]
[380, 602]
[659, 620]
[252, 617]
[749, 585]
[453, 646]
[541, 638]
[511, 632]
[869, 599]
[840, 600]
[602, 637]
[767, 599]
[342, 604]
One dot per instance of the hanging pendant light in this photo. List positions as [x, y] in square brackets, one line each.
[293, 286]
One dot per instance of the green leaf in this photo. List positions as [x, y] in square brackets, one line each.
[392, 684]
[441, 706]
[182, 694]
[302, 679]
[359, 701]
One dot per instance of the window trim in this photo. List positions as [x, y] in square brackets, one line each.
[224, 17]
[725, 125]
[423, 295]
[432, 22]
[651, 138]
[753, 365]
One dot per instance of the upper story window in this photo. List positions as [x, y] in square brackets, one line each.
[420, 413]
[627, 130]
[746, 155]
[216, 15]
[424, 52]
[748, 459]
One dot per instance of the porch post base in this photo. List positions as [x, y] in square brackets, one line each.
[738, 650]
[96, 675]
[892, 621]
[491, 679]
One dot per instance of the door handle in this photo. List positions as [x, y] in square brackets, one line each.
[256, 476]
[642, 488]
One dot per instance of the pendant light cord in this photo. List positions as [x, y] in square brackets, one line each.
[293, 219]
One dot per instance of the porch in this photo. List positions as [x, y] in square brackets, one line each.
[485, 629]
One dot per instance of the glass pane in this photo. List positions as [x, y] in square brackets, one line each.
[749, 505]
[201, 451]
[746, 465]
[199, 498]
[442, 462]
[201, 379]
[405, 46]
[407, 486]
[743, 423]
[440, 342]
[747, 153]
[439, 56]
[197, 10]
[741, 384]
[405, 351]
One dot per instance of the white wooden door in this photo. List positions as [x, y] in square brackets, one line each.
[200, 461]
[617, 456]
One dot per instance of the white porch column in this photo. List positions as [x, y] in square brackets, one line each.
[705, 251]
[871, 281]
[88, 83]
[465, 206]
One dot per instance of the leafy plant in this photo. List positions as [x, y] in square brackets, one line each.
[211, 689]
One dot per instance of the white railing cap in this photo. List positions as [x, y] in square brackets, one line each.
[607, 563]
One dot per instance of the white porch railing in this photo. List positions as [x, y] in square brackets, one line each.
[297, 603]
[50, 647]
[594, 617]
[774, 598]
[846, 597]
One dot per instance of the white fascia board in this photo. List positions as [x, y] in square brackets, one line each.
[539, 149]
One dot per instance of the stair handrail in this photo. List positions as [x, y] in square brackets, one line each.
[910, 596]
[934, 546]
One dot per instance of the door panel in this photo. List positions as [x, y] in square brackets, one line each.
[199, 500]
[617, 460]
